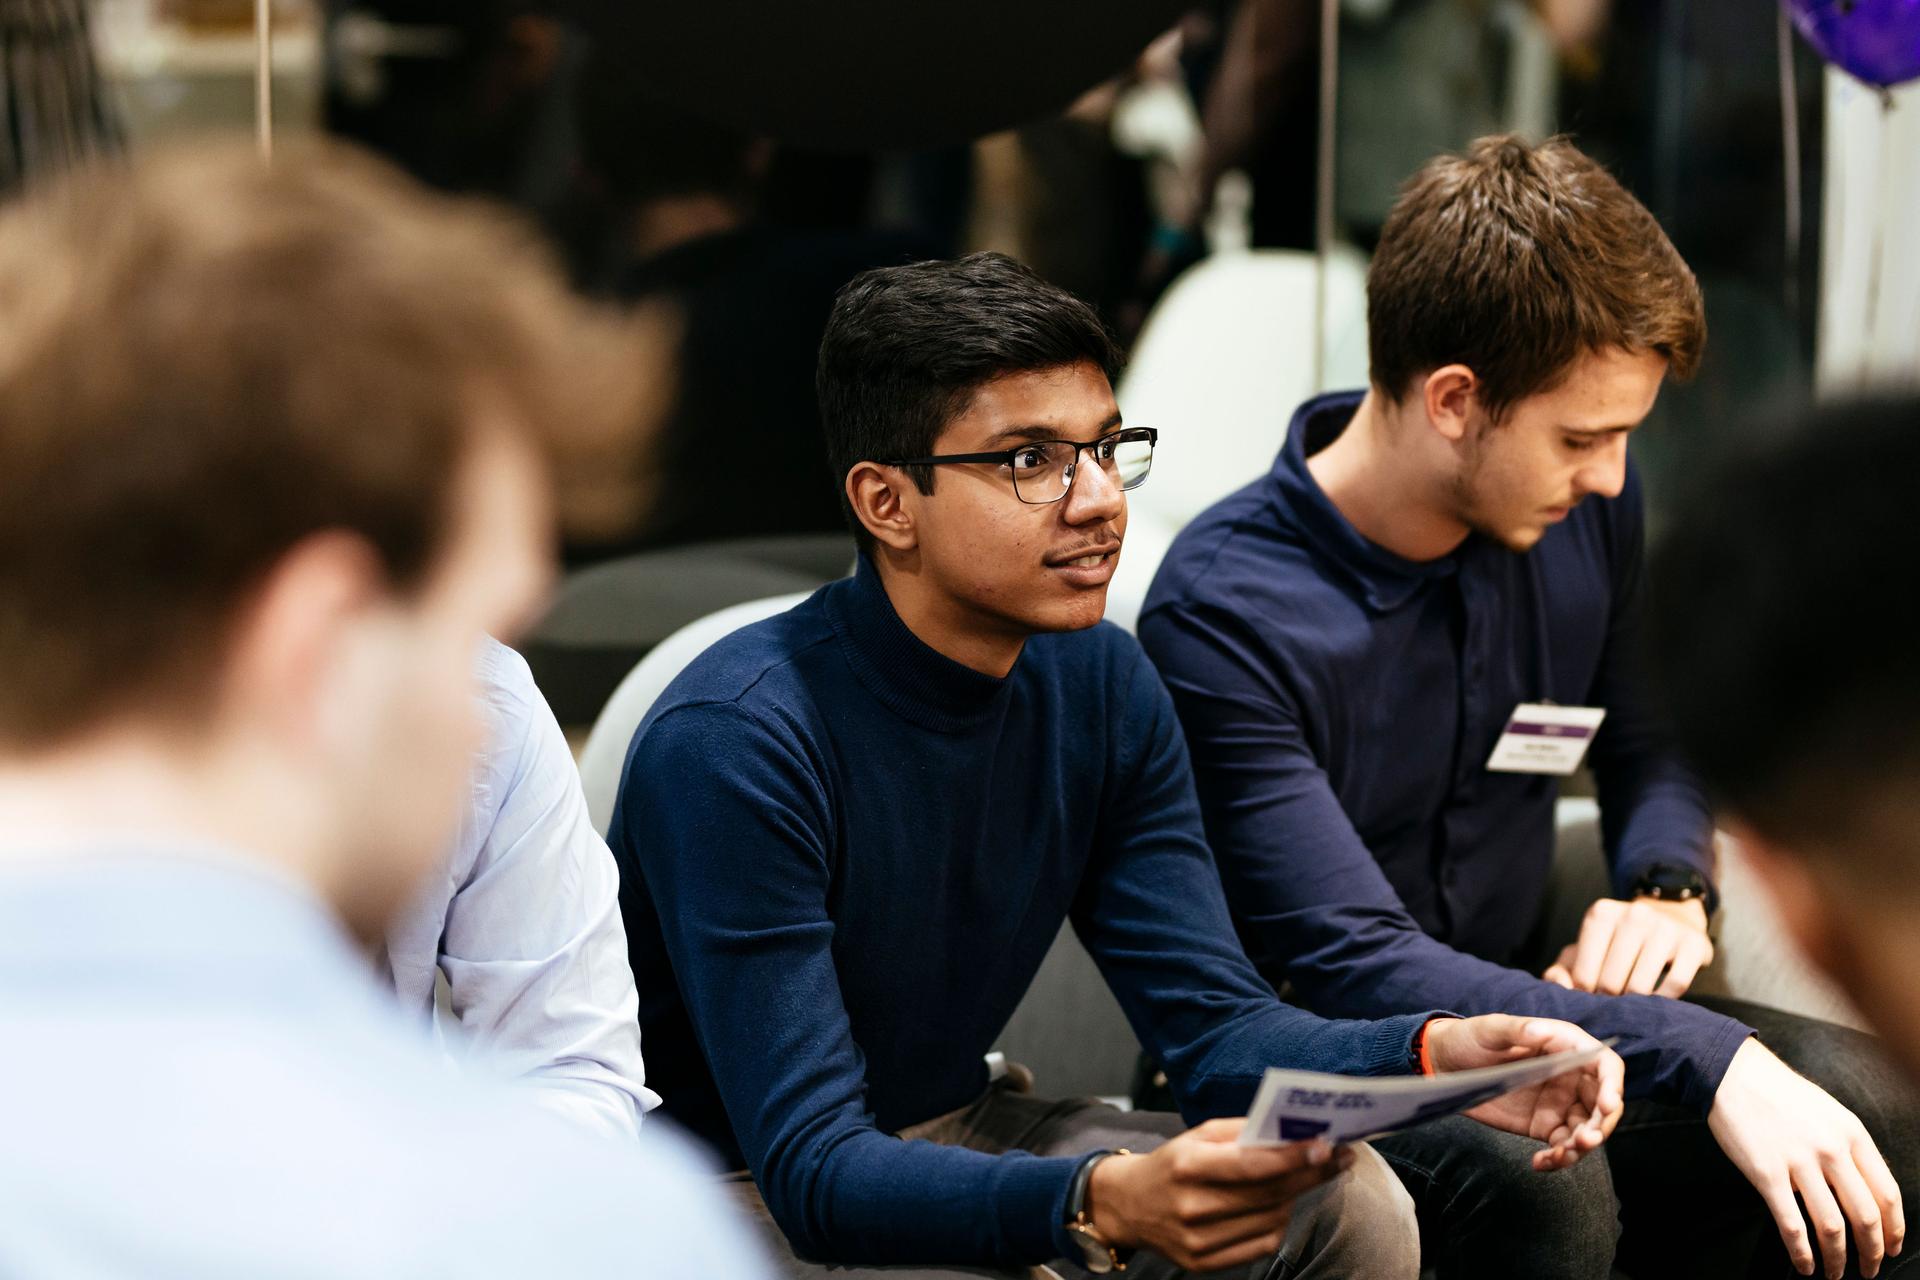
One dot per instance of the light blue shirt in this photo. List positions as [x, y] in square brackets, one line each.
[199, 1077]
[524, 920]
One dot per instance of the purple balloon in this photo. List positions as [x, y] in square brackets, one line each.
[1877, 41]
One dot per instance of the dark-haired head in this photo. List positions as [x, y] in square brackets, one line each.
[907, 347]
[1783, 623]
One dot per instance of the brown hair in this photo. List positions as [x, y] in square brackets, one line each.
[1516, 260]
[204, 360]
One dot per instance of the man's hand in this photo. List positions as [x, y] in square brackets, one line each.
[1572, 1113]
[1787, 1135]
[1624, 947]
[1204, 1201]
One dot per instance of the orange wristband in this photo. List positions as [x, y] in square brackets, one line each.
[1420, 1046]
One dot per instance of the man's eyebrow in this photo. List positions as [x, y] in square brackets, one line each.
[1621, 429]
[1034, 431]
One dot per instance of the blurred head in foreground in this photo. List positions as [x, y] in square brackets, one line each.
[1785, 617]
[275, 446]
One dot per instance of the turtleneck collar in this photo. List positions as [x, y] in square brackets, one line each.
[906, 674]
[1385, 580]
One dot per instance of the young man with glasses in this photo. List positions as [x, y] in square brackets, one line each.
[1381, 652]
[849, 834]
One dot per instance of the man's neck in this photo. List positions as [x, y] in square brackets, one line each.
[1378, 478]
[947, 626]
[134, 791]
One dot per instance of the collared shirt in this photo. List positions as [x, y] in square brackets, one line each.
[1341, 703]
[200, 1077]
[524, 920]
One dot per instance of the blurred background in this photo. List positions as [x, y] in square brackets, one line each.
[1211, 177]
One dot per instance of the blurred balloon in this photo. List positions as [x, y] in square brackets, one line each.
[862, 74]
[1877, 41]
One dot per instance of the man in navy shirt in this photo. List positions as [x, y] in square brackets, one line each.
[849, 834]
[1438, 575]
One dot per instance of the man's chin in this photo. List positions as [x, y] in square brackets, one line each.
[1083, 609]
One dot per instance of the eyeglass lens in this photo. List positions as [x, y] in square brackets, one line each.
[1043, 472]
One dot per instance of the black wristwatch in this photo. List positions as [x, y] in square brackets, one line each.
[1674, 882]
[1097, 1255]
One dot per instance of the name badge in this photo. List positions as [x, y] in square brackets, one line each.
[1543, 738]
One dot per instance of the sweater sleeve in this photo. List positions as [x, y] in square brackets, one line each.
[1652, 808]
[732, 831]
[1152, 914]
[1317, 911]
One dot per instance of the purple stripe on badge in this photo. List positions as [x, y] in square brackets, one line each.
[1550, 730]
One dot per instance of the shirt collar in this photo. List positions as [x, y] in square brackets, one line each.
[1384, 580]
[900, 669]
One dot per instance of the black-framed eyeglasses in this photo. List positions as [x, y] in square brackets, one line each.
[1043, 470]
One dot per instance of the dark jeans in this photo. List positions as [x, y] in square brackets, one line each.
[1661, 1186]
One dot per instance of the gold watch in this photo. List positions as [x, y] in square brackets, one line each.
[1097, 1255]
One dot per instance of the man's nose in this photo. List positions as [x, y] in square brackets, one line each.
[1093, 493]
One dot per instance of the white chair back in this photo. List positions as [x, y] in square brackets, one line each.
[1219, 368]
[606, 751]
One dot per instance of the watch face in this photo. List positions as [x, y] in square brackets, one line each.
[1673, 883]
[1096, 1257]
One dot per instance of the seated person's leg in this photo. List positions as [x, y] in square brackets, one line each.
[1485, 1213]
[1661, 1154]
[1360, 1224]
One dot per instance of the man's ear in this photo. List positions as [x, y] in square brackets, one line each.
[1803, 903]
[1449, 395]
[297, 634]
[883, 500]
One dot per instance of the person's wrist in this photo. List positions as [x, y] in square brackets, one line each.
[1106, 1197]
[1430, 1044]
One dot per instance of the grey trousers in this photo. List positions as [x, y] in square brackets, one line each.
[1359, 1225]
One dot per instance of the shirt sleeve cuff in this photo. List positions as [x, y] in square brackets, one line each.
[1391, 1053]
[1033, 1205]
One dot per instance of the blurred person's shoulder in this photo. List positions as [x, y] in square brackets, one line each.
[326, 1137]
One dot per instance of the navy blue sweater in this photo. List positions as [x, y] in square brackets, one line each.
[1341, 702]
[843, 857]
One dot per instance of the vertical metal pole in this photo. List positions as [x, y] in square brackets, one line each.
[1790, 159]
[263, 77]
[1323, 182]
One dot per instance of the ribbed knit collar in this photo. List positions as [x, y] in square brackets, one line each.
[1385, 580]
[906, 674]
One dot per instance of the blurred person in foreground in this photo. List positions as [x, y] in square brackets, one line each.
[272, 446]
[1783, 623]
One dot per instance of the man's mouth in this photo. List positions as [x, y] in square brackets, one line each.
[1090, 558]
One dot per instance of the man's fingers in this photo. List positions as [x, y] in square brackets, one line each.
[1590, 950]
[1829, 1224]
[1777, 1191]
[1203, 1240]
[1686, 967]
[1655, 955]
[1630, 938]
[1242, 1252]
[1209, 1203]
[1863, 1211]
[1886, 1192]
[1229, 1162]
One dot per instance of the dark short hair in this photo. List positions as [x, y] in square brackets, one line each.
[1784, 618]
[906, 348]
[1517, 260]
